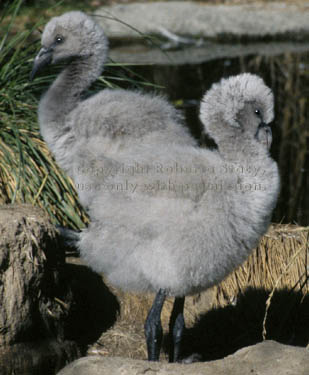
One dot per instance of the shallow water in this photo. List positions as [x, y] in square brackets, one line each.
[283, 66]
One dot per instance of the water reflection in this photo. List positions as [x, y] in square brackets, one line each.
[288, 75]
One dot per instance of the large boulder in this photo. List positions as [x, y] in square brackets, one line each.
[266, 358]
[192, 31]
[255, 21]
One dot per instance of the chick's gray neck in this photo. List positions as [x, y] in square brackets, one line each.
[246, 148]
[65, 93]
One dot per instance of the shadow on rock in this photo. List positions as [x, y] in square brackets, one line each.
[95, 308]
[222, 331]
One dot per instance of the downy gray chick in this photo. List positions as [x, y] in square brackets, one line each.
[77, 130]
[194, 215]
[166, 216]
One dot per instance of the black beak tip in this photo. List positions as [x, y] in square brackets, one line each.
[43, 58]
[32, 75]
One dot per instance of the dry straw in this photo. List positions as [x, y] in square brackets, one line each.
[280, 262]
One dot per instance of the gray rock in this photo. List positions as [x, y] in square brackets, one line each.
[139, 54]
[266, 358]
[199, 20]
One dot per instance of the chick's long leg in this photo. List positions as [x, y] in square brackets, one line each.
[153, 327]
[176, 328]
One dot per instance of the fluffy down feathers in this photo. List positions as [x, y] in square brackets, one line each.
[228, 97]
[181, 229]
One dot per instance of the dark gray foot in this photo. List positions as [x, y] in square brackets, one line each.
[176, 326]
[153, 327]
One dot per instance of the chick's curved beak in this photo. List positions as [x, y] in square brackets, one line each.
[264, 134]
[43, 58]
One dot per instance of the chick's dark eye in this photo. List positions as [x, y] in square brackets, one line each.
[59, 39]
[257, 112]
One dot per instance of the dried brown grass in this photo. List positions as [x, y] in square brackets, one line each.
[279, 262]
